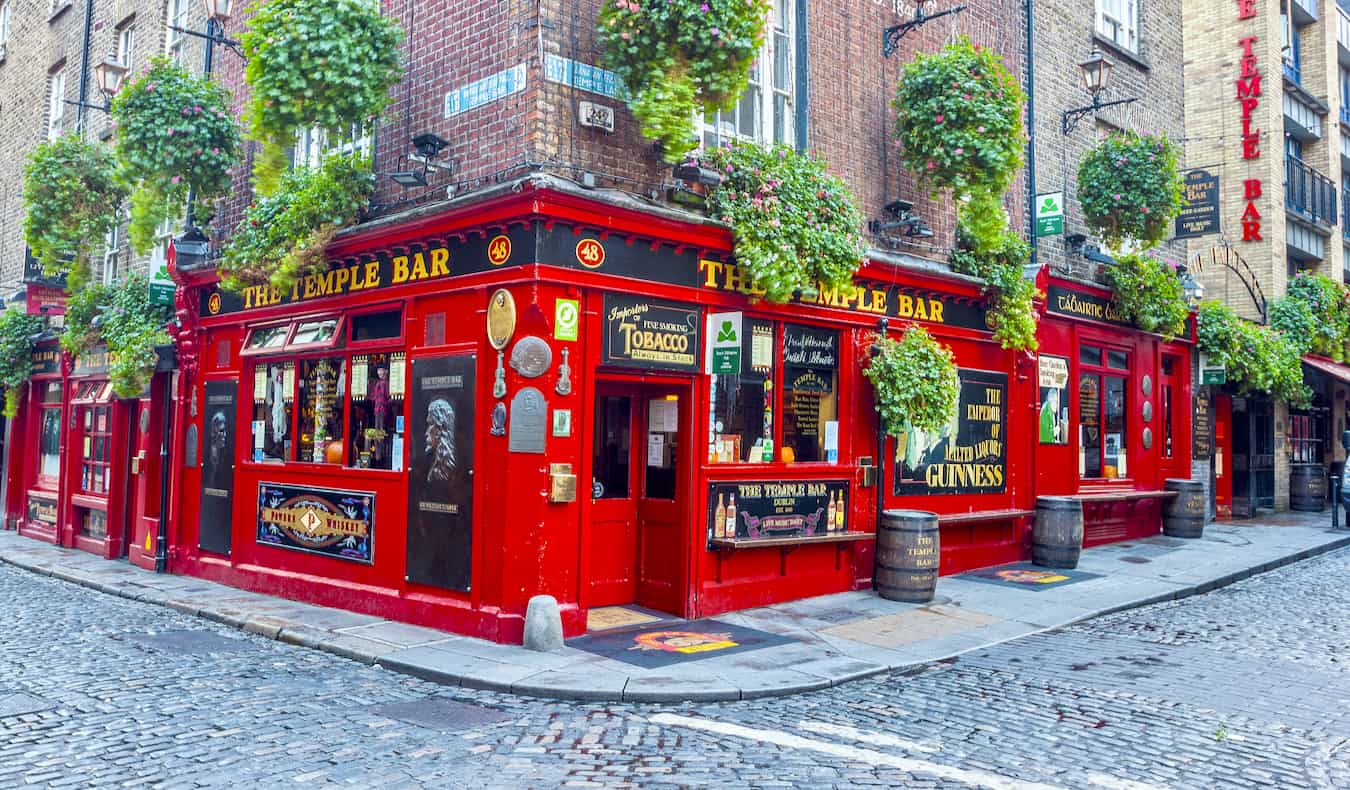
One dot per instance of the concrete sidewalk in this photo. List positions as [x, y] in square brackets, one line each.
[813, 643]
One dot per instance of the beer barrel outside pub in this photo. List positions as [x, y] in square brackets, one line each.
[1184, 514]
[1057, 537]
[1307, 487]
[907, 556]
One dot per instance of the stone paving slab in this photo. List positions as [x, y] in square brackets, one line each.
[837, 638]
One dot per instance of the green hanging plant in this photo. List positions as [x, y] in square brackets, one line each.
[958, 116]
[1148, 293]
[1314, 314]
[916, 381]
[283, 236]
[1130, 189]
[78, 334]
[1257, 358]
[795, 225]
[987, 248]
[175, 133]
[327, 65]
[680, 58]
[17, 328]
[71, 192]
[131, 328]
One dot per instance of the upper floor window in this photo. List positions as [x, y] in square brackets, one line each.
[766, 112]
[112, 249]
[1293, 66]
[1118, 22]
[126, 42]
[312, 145]
[56, 106]
[175, 15]
[4, 27]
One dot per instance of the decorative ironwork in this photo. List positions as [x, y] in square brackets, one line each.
[1227, 257]
[890, 38]
[1069, 120]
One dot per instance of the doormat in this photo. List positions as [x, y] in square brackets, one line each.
[1025, 576]
[605, 618]
[679, 642]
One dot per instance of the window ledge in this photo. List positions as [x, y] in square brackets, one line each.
[1134, 58]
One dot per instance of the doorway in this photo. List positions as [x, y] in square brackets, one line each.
[639, 489]
[1253, 436]
[1223, 454]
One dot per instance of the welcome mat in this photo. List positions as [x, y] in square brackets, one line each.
[606, 618]
[1025, 576]
[678, 642]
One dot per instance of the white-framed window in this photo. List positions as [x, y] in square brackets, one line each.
[56, 105]
[175, 15]
[126, 45]
[1118, 22]
[159, 254]
[4, 25]
[312, 145]
[767, 111]
[112, 250]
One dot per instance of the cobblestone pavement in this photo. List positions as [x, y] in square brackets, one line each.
[1245, 687]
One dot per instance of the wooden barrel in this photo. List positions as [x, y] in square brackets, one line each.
[1184, 514]
[907, 556]
[1307, 487]
[1057, 537]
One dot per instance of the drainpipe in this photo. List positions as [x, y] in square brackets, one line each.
[162, 539]
[1031, 128]
[882, 324]
[84, 64]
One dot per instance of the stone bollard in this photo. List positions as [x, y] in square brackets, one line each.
[543, 624]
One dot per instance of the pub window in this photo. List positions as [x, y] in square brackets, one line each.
[97, 449]
[742, 429]
[384, 325]
[273, 407]
[376, 412]
[766, 111]
[810, 394]
[321, 406]
[1169, 365]
[51, 430]
[1102, 401]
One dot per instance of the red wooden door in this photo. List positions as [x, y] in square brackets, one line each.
[1223, 455]
[614, 503]
[664, 458]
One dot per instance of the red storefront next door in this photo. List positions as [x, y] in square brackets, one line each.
[639, 471]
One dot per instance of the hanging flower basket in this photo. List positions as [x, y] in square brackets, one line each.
[1257, 358]
[1314, 314]
[1130, 189]
[71, 193]
[916, 382]
[1148, 293]
[17, 329]
[175, 133]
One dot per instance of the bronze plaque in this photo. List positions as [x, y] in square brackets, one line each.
[501, 318]
[531, 357]
[528, 429]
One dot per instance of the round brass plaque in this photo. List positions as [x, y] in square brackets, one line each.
[501, 318]
[531, 357]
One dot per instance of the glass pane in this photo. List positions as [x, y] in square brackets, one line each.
[267, 337]
[52, 392]
[1090, 355]
[613, 448]
[743, 403]
[810, 394]
[1169, 365]
[1118, 360]
[272, 410]
[1089, 426]
[315, 332]
[782, 61]
[662, 448]
[1115, 438]
[1167, 419]
[377, 326]
[51, 442]
[321, 401]
[376, 408]
[747, 113]
[782, 129]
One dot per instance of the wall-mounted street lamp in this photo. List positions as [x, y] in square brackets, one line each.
[1190, 287]
[1096, 72]
[108, 74]
[428, 146]
[890, 38]
[217, 14]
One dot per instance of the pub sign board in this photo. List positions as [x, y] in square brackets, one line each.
[440, 471]
[968, 455]
[46, 360]
[650, 334]
[1079, 304]
[762, 509]
[34, 273]
[213, 531]
[1200, 210]
[42, 510]
[339, 524]
[1202, 443]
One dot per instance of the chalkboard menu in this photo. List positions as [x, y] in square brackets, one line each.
[1202, 447]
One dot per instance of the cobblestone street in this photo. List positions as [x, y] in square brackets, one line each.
[1244, 687]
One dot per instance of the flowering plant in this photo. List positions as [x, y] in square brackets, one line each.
[77, 331]
[795, 224]
[679, 57]
[328, 65]
[284, 235]
[1148, 293]
[71, 192]
[130, 326]
[1130, 188]
[1257, 358]
[17, 328]
[916, 382]
[987, 248]
[958, 115]
[174, 133]
[1314, 315]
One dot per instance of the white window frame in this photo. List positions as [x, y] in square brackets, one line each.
[159, 254]
[1118, 22]
[312, 145]
[774, 115]
[4, 26]
[112, 250]
[56, 105]
[126, 45]
[175, 13]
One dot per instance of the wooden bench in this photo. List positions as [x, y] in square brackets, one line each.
[1123, 496]
[983, 515]
[759, 543]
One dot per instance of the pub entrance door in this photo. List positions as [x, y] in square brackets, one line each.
[639, 491]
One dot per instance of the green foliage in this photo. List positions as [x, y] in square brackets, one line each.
[1130, 188]
[795, 224]
[131, 329]
[78, 335]
[328, 65]
[1314, 315]
[916, 382]
[283, 236]
[1148, 293]
[959, 119]
[677, 57]
[71, 193]
[17, 328]
[1257, 358]
[175, 132]
[987, 248]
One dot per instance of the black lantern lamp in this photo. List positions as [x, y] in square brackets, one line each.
[428, 146]
[904, 219]
[1191, 287]
[108, 74]
[218, 10]
[1096, 72]
[890, 37]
